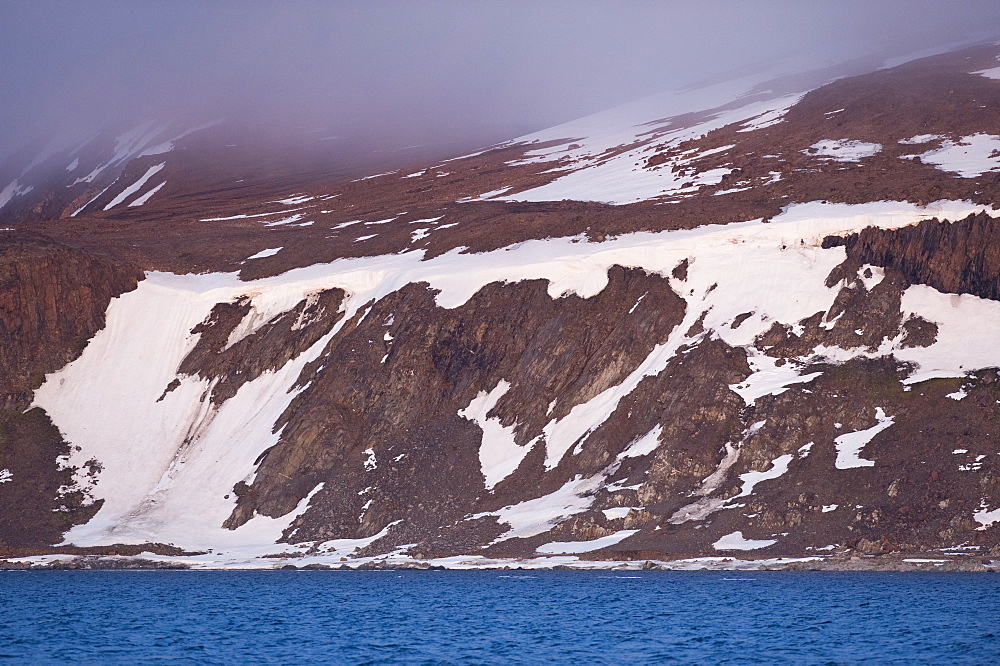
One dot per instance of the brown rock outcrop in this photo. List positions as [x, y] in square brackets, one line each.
[53, 299]
[960, 257]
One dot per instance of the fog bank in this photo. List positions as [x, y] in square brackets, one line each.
[419, 71]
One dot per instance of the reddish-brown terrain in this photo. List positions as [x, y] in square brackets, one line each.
[377, 450]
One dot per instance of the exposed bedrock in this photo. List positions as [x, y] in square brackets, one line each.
[925, 466]
[267, 348]
[382, 407]
[736, 405]
[53, 299]
[385, 423]
[960, 257]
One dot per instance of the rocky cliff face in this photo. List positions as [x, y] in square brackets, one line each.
[53, 299]
[760, 328]
[956, 258]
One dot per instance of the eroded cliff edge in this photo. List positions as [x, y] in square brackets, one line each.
[53, 298]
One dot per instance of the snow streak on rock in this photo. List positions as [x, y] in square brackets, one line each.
[539, 515]
[147, 196]
[499, 454]
[849, 445]
[605, 155]
[136, 186]
[565, 547]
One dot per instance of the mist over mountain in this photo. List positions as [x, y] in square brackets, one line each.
[414, 73]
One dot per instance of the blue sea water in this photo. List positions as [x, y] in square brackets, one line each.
[491, 617]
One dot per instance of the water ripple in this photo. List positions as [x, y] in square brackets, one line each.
[444, 617]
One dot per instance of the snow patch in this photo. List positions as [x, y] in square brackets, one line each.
[769, 118]
[570, 547]
[984, 517]
[426, 220]
[768, 378]
[537, 516]
[614, 513]
[168, 145]
[295, 200]
[969, 157]
[285, 220]
[849, 444]
[736, 541]
[485, 196]
[967, 338]
[778, 467]
[991, 73]
[870, 276]
[12, 190]
[374, 175]
[644, 445]
[136, 186]
[270, 252]
[145, 197]
[347, 547]
[245, 216]
[920, 138]
[844, 150]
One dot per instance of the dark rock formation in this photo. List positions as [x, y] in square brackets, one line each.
[394, 380]
[53, 299]
[960, 257]
[267, 348]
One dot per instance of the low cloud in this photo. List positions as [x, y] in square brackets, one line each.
[417, 71]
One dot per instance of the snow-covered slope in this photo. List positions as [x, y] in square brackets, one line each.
[692, 326]
[69, 174]
[170, 461]
[166, 165]
[607, 153]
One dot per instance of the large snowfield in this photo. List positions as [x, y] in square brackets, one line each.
[170, 459]
[169, 465]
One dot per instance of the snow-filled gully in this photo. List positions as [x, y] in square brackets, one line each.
[169, 464]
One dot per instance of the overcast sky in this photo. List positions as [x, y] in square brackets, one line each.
[427, 68]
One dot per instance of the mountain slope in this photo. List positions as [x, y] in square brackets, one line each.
[755, 319]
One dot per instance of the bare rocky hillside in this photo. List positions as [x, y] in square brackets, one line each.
[750, 321]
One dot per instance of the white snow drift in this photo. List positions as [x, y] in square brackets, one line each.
[169, 465]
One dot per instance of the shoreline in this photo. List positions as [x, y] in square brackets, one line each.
[917, 562]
